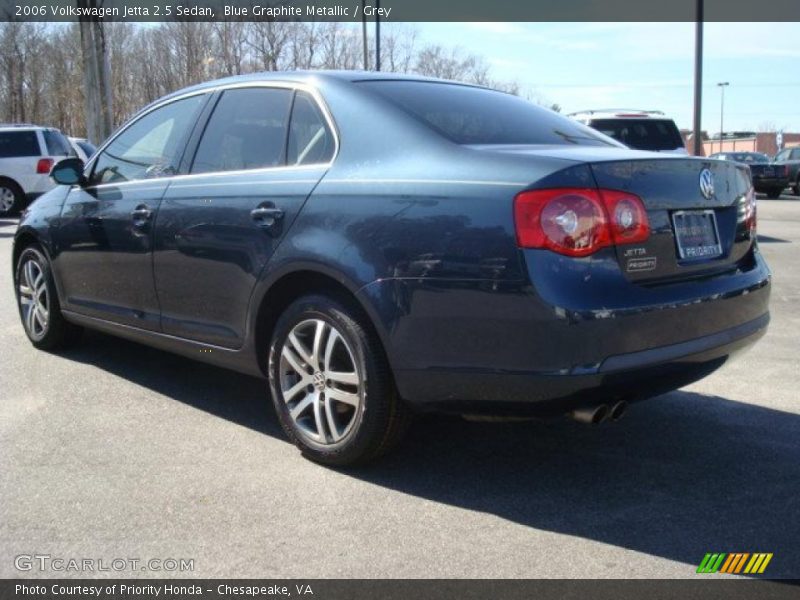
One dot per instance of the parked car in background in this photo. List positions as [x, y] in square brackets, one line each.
[791, 158]
[639, 129]
[27, 153]
[371, 243]
[83, 148]
[768, 178]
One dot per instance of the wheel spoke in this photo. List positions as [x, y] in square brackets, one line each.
[300, 349]
[335, 434]
[319, 333]
[29, 277]
[295, 389]
[38, 282]
[332, 338]
[319, 420]
[302, 406]
[293, 361]
[342, 396]
[40, 318]
[30, 319]
[342, 377]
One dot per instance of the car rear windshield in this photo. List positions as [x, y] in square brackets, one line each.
[57, 144]
[748, 157]
[471, 115]
[18, 143]
[642, 134]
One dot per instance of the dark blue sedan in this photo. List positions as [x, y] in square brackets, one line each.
[375, 244]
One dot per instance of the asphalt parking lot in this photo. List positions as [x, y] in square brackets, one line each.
[113, 450]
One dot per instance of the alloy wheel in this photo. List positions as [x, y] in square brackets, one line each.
[34, 299]
[320, 382]
[7, 199]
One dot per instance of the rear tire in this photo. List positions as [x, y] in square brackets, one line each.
[796, 186]
[37, 300]
[331, 383]
[11, 197]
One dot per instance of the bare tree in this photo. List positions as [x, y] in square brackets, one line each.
[268, 40]
[88, 77]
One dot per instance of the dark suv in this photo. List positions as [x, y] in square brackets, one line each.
[790, 157]
[373, 243]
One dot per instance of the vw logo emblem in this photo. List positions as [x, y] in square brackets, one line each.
[707, 183]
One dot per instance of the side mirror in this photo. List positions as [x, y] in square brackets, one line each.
[68, 172]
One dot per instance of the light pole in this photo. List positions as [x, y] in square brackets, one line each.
[698, 79]
[378, 35]
[721, 85]
[364, 35]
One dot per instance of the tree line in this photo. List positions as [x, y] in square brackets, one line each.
[46, 68]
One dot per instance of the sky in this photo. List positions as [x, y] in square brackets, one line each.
[644, 66]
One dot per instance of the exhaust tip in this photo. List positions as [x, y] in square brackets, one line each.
[600, 415]
[592, 415]
[618, 410]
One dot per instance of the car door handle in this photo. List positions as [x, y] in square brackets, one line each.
[266, 216]
[141, 214]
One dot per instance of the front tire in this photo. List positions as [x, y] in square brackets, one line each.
[331, 383]
[774, 194]
[38, 303]
[796, 186]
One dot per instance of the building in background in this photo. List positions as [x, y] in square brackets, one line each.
[765, 142]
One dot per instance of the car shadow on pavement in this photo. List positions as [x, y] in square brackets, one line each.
[679, 476]
[233, 396]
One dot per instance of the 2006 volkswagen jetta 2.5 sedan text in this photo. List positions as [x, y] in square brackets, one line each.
[374, 244]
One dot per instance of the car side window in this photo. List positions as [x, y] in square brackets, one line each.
[151, 146]
[18, 143]
[796, 154]
[247, 130]
[310, 139]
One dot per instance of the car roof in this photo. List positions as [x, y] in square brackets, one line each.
[619, 113]
[24, 126]
[312, 78]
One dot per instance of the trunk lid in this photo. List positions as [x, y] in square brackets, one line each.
[692, 233]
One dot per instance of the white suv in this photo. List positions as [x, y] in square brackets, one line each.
[639, 129]
[27, 153]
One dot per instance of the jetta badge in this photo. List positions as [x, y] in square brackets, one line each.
[707, 183]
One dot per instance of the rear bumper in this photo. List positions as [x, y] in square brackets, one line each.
[572, 337]
[632, 376]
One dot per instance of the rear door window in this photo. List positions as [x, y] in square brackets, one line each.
[310, 139]
[473, 115]
[643, 134]
[247, 130]
[18, 143]
[57, 144]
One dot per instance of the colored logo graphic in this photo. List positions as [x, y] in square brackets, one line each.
[735, 563]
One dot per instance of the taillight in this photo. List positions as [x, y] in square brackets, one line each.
[627, 217]
[44, 165]
[750, 211]
[578, 221]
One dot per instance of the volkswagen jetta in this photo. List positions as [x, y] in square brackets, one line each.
[372, 243]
